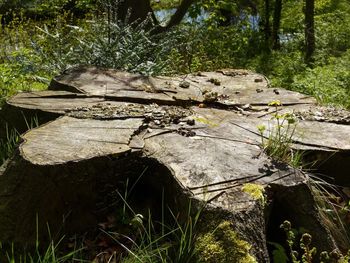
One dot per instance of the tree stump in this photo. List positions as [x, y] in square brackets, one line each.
[191, 137]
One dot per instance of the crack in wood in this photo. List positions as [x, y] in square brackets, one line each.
[231, 186]
[227, 139]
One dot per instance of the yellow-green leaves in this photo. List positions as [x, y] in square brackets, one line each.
[275, 103]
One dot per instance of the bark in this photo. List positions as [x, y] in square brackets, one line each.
[137, 11]
[130, 11]
[276, 25]
[267, 26]
[177, 17]
[309, 31]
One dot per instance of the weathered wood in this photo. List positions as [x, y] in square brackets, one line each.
[233, 87]
[70, 140]
[197, 132]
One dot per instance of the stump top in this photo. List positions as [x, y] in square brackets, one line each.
[70, 140]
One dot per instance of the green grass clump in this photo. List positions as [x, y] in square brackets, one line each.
[166, 241]
[8, 145]
[277, 143]
[49, 255]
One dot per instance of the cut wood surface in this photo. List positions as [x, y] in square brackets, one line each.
[200, 130]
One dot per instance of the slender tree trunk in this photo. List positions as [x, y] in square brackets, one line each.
[276, 24]
[179, 14]
[309, 30]
[267, 27]
[130, 11]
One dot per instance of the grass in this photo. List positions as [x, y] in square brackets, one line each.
[135, 239]
[277, 143]
[50, 255]
[8, 145]
[31, 52]
[163, 241]
[332, 209]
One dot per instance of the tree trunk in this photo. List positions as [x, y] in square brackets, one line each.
[267, 27]
[136, 11]
[130, 11]
[309, 31]
[177, 17]
[276, 25]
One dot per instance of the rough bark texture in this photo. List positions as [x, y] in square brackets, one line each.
[179, 14]
[309, 30]
[276, 24]
[137, 11]
[196, 135]
[267, 26]
[133, 10]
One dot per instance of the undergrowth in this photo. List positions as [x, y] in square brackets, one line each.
[171, 240]
[12, 139]
[8, 145]
[308, 252]
[50, 255]
[332, 209]
[126, 237]
[31, 52]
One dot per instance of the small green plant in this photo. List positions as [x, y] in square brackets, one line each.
[309, 252]
[305, 242]
[278, 141]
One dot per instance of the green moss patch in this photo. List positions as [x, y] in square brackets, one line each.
[223, 246]
[255, 190]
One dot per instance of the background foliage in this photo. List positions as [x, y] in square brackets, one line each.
[41, 38]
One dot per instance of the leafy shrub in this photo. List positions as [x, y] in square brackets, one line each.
[105, 44]
[330, 83]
